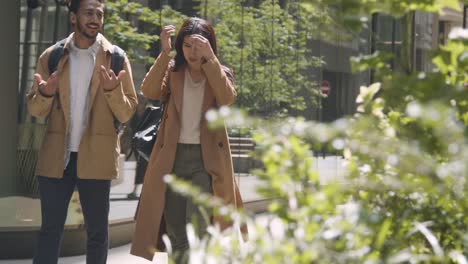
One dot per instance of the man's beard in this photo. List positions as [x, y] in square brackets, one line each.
[86, 34]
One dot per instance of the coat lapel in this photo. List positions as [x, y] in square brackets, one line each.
[177, 89]
[96, 80]
[207, 99]
[63, 68]
[64, 88]
[101, 59]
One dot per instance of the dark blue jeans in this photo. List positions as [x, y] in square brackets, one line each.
[55, 197]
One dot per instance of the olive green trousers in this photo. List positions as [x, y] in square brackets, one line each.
[179, 210]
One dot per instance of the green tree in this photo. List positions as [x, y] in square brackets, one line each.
[268, 48]
[135, 28]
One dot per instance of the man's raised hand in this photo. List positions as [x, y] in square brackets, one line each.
[109, 80]
[47, 88]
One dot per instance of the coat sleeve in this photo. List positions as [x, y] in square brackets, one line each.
[155, 83]
[39, 105]
[221, 80]
[123, 99]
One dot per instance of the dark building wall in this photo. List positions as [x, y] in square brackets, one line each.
[343, 83]
[9, 30]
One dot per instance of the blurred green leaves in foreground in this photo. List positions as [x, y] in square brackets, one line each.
[403, 198]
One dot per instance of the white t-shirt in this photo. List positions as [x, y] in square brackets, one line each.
[191, 110]
[82, 63]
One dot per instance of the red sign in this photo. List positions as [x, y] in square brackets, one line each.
[325, 87]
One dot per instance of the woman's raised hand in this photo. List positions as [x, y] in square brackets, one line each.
[166, 34]
[203, 46]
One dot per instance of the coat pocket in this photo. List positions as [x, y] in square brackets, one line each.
[51, 155]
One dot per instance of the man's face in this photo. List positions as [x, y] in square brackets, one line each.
[89, 18]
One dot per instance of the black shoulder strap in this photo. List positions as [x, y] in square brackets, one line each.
[117, 60]
[55, 55]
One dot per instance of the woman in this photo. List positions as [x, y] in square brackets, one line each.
[191, 84]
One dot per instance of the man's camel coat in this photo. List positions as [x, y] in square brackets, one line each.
[99, 146]
[216, 152]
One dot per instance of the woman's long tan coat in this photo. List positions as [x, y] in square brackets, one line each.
[214, 143]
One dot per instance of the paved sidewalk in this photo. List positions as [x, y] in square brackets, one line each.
[118, 255]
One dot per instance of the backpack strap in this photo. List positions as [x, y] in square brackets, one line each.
[55, 55]
[117, 59]
[117, 62]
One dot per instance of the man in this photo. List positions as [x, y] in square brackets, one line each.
[82, 100]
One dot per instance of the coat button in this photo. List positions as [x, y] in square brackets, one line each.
[220, 144]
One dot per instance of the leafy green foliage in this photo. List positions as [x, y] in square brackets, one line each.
[124, 26]
[354, 14]
[399, 202]
[267, 47]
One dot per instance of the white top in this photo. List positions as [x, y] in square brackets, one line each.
[82, 63]
[191, 110]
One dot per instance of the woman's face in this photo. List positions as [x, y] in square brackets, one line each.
[191, 55]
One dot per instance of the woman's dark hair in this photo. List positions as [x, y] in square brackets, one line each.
[74, 5]
[193, 25]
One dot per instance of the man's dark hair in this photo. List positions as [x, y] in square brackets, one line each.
[74, 5]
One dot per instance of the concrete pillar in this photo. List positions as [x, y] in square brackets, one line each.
[9, 66]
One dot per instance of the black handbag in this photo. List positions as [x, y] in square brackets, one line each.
[147, 130]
